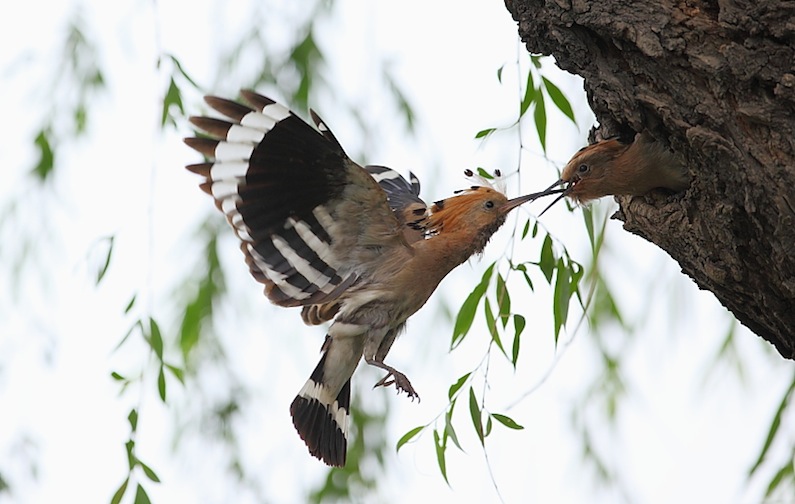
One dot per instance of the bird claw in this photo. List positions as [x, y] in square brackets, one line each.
[402, 384]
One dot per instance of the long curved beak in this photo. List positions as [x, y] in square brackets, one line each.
[563, 192]
[515, 202]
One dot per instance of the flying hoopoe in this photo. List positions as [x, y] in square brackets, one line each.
[352, 244]
[613, 167]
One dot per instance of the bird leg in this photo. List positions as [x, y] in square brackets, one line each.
[402, 384]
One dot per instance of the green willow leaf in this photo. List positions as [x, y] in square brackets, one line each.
[559, 99]
[547, 260]
[182, 71]
[130, 447]
[485, 132]
[457, 385]
[507, 421]
[449, 431]
[466, 315]
[788, 471]
[587, 214]
[140, 496]
[523, 268]
[440, 449]
[119, 494]
[155, 338]
[149, 472]
[405, 438]
[138, 324]
[46, 162]
[306, 56]
[519, 323]
[491, 324]
[540, 118]
[503, 300]
[562, 294]
[774, 426]
[530, 94]
[526, 229]
[80, 118]
[132, 418]
[106, 263]
[161, 384]
[474, 412]
[173, 98]
[178, 373]
[130, 304]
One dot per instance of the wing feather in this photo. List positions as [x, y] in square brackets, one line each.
[311, 221]
[404, 200]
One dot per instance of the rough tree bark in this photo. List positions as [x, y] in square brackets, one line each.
[715, 80]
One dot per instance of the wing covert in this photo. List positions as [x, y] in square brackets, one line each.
[404, 200]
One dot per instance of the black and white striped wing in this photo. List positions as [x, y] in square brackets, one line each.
[284, 187]
[402, 195]
[404, 199]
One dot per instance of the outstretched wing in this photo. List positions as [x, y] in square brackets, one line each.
[403, 196]
[310, 220]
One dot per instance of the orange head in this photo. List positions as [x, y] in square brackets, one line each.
[474, 214]
[468, 211]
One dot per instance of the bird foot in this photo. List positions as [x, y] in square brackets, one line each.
[402, 384]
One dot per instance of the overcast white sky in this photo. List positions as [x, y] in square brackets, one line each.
[679, 437]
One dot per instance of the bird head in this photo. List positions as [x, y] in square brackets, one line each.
[619, 168]
[594, 171]
[587, 175]
[470, 209]
[476, 212]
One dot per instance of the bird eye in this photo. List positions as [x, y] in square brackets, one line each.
[583, 168]
[489, 204]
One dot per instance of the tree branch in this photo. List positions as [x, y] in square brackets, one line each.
[715, 80]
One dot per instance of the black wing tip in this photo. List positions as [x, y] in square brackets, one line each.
[203, 145]
[229, 108]
[213, 126]
[215, 101]
[316, 426]
[200, 168]
[255, 99]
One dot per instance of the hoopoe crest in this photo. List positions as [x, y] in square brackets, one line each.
[349, 244]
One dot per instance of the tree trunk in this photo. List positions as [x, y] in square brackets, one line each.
[715, 80]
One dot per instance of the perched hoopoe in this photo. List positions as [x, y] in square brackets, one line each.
[352, 244]
[611, 167]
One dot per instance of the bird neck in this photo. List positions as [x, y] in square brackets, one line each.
[453, 246]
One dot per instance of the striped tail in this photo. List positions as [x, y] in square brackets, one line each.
[322, 420]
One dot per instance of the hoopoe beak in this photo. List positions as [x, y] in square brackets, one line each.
[515, 202]
[569, 185]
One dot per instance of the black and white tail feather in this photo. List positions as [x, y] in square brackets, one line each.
[283, 185]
